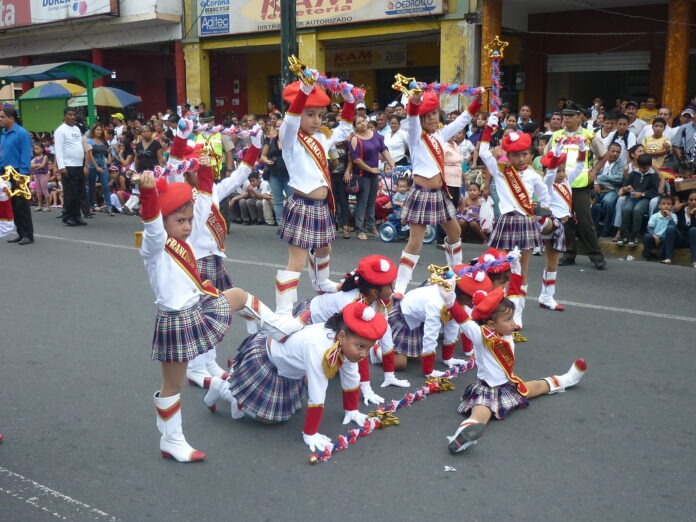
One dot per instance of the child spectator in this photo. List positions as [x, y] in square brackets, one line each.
[684, 234]
[39, 172]
[657, 227]
[468, 213]
[542, 140]
[641, 185]
[55, 187]
[657, 145]
[403, 185]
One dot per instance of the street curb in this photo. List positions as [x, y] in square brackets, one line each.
[682, 256]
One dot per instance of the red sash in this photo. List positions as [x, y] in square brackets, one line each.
[216, 224]
[319, 156]
[565, 193]
[438, 154]
[183, 255]
[502, 351]
[517, 189]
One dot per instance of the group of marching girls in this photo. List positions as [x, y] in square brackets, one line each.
[294, 351]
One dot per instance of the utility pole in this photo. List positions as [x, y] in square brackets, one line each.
[288, 38]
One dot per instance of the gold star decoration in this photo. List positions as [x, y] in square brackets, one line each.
[402, 84]
[496, 47]
[21, 183]
[300, 70]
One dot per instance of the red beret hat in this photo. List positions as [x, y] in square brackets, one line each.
[362, 320]
[429, 103]
[173, 196]
[377, 270]
[472, 282]
[318, 98]
[491, 255]
[517, 142]
[484, 304]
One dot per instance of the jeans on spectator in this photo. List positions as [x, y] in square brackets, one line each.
[605, 204]
[365, 208]
[103, 177]
[649, 243]
[493, 191]
[632, 216]
[280, 189]
[675, 238]
[454, 198]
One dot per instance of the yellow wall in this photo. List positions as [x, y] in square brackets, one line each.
[260, 66]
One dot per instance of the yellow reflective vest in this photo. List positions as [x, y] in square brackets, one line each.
[572, 151]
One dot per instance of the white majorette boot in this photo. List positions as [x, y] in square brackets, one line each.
[220, 389]
[407, 264]
[286, 291]
[453, 253]
[319, 274]
[173, 444]
[519, 301]
[468, 433]
[197, 371]
[278, 326]
[548, 289]
[212, 366]
[559, 383]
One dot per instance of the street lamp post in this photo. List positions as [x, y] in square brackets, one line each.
[288, 39]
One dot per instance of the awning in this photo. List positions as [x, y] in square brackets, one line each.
[52, 71]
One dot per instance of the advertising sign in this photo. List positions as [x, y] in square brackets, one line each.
[378, 57]
[218, 17]
[26, 13]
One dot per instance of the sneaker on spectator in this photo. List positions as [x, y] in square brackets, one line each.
[632, 242]
[620, 242]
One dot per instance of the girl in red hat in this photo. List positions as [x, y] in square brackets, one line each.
[552, 229]
[193, 316]
[516, 185]
[428, 202]
[497, 390]
[208, 235]
[308, 219]
[370, 283]
[416, 321]
[269, 377]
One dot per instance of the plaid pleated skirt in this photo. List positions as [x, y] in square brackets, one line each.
[258, 388]
[406, 341]
[184, 334]
[501, 400]
[427, 206]
[557, 237]
[301, 307]
[213, 269]
[515, 230]
[307, 223]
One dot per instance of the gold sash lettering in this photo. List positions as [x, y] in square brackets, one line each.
[319, 156]
[563, 191]
[502, 351]
[216, 224]
[183, 256]
[518, 190]
[438, 154]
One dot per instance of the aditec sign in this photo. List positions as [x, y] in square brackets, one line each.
[217, 17]
[25, 13]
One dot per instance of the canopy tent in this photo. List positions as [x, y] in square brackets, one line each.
[106, 97]
[52, 90]
[84, 72]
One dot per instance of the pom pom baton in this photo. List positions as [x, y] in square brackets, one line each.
[384, 416]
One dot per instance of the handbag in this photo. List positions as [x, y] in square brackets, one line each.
[353, 186]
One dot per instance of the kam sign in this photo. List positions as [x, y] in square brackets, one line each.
[26, 13]
[264, 15]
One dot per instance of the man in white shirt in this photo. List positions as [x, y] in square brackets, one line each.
[666, 114]
[635, 124]
[70, 160]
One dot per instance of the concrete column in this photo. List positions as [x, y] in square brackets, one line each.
[459, 58]
[197, 74]
[311, 51]
[98, 59]
[25, 61]
[491, 25]
[677, 55]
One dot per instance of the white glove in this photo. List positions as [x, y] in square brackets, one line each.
[348, 97]
[582, 146]
[448, 295]
[515, 266]
[369, 396]
[355, 416]
[450, 363]
[558, 149]
[307, 89]
[391, 380]
[493, 120]
[316, 442]
[256, 136]
[184, 128]
[436, 373]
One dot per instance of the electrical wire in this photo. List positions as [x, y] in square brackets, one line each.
[638, 17]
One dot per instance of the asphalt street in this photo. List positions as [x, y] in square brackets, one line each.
[76, 385]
